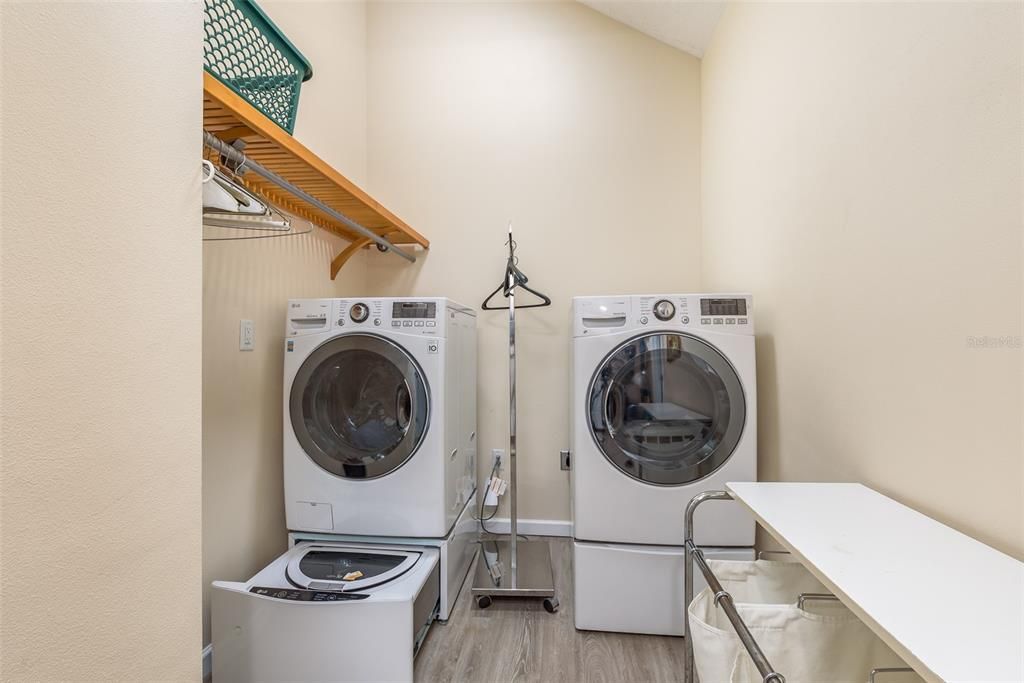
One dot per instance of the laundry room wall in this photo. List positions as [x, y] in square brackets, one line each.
[99, 361]
[862, 177]
[243, 494]
[584, 133]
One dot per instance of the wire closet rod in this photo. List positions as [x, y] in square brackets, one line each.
[242, 162]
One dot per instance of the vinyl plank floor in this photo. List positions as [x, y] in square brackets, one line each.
[516, 640]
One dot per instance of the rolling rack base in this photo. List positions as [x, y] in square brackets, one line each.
[530, 578]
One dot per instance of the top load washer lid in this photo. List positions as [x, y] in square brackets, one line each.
[359, 406]
[666, 408]
[325, 567]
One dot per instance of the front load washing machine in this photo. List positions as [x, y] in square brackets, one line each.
[379, 415]
[663, 408]
[326, 612]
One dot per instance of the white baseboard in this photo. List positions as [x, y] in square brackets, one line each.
[533, 527]
[207, 664]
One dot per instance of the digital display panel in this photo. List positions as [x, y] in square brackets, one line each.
[413, 309]
[723, 306]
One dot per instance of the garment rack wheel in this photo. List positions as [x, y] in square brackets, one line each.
[550, 604]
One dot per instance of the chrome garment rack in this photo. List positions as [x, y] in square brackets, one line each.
[240, 163]
[529, 574]
[693, 554]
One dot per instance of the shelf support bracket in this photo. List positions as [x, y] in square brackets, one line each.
[349, 251]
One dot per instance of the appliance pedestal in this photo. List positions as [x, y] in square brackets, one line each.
[636, 588]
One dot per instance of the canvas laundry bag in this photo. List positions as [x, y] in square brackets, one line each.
[822, 643]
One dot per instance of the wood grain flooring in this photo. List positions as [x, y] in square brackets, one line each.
[516, 640]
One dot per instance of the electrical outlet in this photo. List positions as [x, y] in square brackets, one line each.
[497, 457]
[246, 335]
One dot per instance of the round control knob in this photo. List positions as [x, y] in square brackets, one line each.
[664, 310]
[686, 320]
[359, 312]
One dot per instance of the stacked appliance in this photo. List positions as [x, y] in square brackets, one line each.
[663, 408]
[379, 479]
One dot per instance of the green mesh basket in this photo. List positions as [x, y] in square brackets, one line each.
[246, 52]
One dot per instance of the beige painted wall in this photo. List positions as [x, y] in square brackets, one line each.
[636, 84]
[862, 175]
[583, 132]
[99, 363]
[243, 505]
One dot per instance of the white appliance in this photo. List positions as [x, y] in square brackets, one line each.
[455, 551]
[664, 406]
[326, 612]
[379, 415]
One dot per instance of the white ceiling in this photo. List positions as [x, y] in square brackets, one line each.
[684, 25]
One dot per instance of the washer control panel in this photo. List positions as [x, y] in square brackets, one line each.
[595, 315]
[412, 316]
[427, 316]
[716, 311]
[662, 310]
[301, 595]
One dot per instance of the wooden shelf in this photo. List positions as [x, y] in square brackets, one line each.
[230, 118]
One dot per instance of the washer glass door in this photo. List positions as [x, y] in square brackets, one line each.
[359, 406]
[666, 408]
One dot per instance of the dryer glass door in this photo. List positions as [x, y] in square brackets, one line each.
[359, 406]
[666, 408]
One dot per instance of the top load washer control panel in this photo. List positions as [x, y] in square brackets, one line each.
[303, 595]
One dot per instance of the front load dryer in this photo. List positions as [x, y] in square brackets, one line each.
[379, 415]
[663, 408]
[326, 612]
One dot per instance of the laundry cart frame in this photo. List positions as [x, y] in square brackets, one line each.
[722, 599]
[694, 555]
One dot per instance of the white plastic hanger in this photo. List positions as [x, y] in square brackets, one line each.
[227, 204]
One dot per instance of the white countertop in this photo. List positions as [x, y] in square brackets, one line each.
[951, 606]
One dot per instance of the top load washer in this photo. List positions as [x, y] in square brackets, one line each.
[663, 408]
[326, 612]
[379, 415]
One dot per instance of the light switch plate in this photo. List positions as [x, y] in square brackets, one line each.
[246, 335]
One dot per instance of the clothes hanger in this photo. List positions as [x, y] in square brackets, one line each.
[228, 204]
[223, 194]
[514, 278]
